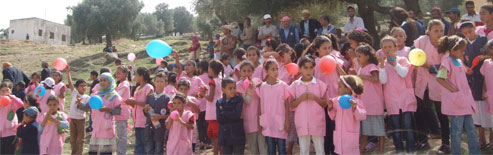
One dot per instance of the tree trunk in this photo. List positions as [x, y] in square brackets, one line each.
[108, 40]
[366, 12]
[412, 5]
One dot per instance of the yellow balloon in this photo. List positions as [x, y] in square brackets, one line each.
[417, 57]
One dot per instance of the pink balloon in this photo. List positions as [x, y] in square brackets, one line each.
[292, 68]
[158, 61]
[60, 64]
[4, 101]
[174, 115]
[131, 57]
[246, 83]
[327, 64]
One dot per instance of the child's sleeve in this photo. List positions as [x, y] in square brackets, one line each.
[291, 90]
[27, 132]
[332, 113]
[17, 103]
[360, 112]
[219, 114]
[287, 94]
[382, 75]
[482, 70]
[117, 108]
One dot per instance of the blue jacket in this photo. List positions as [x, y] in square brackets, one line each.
[228, 112]
[331, 29]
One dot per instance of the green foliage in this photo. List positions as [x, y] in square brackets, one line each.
[182, 20]
[4, 33]
[148, 24]
[166, 15]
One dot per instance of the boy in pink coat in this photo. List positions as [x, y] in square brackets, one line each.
[8, 119]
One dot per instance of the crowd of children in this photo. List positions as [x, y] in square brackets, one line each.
[262, 104]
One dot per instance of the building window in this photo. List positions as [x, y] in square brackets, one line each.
[52, 35]
[63, 38]
[40, 32]
[12, 32]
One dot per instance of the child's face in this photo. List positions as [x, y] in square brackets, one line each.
[362, 58]
[118, 63]
[189, 67]
[53, 106]
[159, 83]
[324, 49]
[178, 104]
[307, 69]
[57, 77]
[93, 77]
[246, 71]
[436, 32]
[400, 37]
[37, 78]
[238, 60]
[28, 118]
[18, 87]
[120, 75]
[459, 53]
[162, 65]
[5, 91]
[469, 33]
[388, 48]
[342, 89]
[252, 56]
[82, 88]
[485, 15]
[273, 70]
[490, 52]
[229, 90]
[227, 61]
[353, 43]
[183, 89]
[103, 83]
[139, 78]
[286, 57]
[211, 72]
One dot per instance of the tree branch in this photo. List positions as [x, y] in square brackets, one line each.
[378, 8]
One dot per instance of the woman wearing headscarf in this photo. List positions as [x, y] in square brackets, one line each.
[194, 48]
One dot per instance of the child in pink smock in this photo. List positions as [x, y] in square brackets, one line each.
[189, 74]
[123, 89]
[487, 71]
[180, 128]
[400, 36]
[308, 102]
[274, 109]
[48, 83]
[488, 23]
[215, 92]
[54, 125]
[400, 101]
[8, 119]
[203, 68]
[239, 56]
[59, 88]
[286, 54]
[346, 134]
[256, 141]
[145, 88]
[253, 55]
[225, 60]
[372, 98]
[457, 99]
[191, 105]
[35, 80]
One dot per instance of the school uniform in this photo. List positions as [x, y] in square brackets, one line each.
[140, 95]
[8, 121]
[179, 139]
[103, 134]
[372, 99]
[61, 101]
[52, 136]
[210, 112]
[487, 72]
[231, 132]
[155, 134]
[201, 123]
[123, 89]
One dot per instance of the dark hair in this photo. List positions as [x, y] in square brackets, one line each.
[253, 48]
[172, 77]
[31, 100]
[104, 70]
[144, 72]
[59, 73]
[434, 22]
[118, 61]
[447, 43]
[360, 36]
[286, 49]
[299, 48]
[164, 63]
[35, 74]
[247, 63]
[355, 83]
[344, 49]
[203, 65]
[269, 62]
[272, 42]
[161, 75]
[6, 83]
[350, 7]
[79, 82]
[369, 51]
[248, 18]
[226, 81]
[180, 96]
[95, 73]
[239, 53]
[388, 38]
[400, 15]
[225, 56]
[21, 84]
[184, 82]
[125, 70]
[44, 64]
[326, 18]
[466, 25]
[318, 41]
[216, 66]
[306, 59]
[52, 99]
[469, 2]
[334, 41]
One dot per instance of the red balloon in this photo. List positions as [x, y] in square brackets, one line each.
[327, 64]
[292, 68]
[60, 64]
[4, 101]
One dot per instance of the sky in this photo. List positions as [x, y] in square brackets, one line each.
[55, 10]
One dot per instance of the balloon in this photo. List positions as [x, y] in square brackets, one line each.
[475, 62]
[292, 68]
[174, 115]
[246, 83]
[60, 64]
[170, 105]
[158, 49]
[41, 90]
[344, 101]
[158, 61]
[131, 57]
[95, 102]
[327, 64]
[417, 57]
[4, 101]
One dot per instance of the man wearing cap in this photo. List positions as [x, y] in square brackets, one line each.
[353, 22]
[454, 16]
[267, 31]
[288, 34]
[249, 33]
[436, 13]
[471, 14]
[13, 74]
[29, 131]
[309, 27]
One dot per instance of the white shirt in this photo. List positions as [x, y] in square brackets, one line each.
[76, 113]
[474, 18]
[356, 24]
[266, 30]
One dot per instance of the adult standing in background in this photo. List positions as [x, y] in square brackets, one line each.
[454, 16]
[309, 27]
[353, 22]
[13, 74]
[471, 14]
[400, 18]
[249, 33]
[288, 34]
[326, 28]
[46, 72]
[436, 13]
[228, 43]
[268, 30]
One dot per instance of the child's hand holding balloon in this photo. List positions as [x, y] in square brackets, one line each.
[353, 104]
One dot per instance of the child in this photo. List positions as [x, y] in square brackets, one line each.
[118, 62]
[239, 55]
[253, 55]
[474, 48]
[256, 141]
[8, 120]
[229, 115]
[486, 71]
[19, 91]
[428, 91]
[225, 60]
[77, 116]
[457, 99]
[138, 102]
[123, 89]
[179, 140]
[346, 134]
[400, 36]
[194, 48]
[189, 74]
[49, 84]
[191, 105]
[95, 81]
[217, 47]
[203, 68]
[269, 49]
[59, 88]
[309, 102]
[372, 99]
[163, 66]
[170, 88]
[28, 132]
[35, 79]
[103, 137]
[286, 55]
[398, 93]
[274, 109]
[215, 68]
[46, 72]
[356, 37]
[486, 13]
[156, 111]
[210, 47]
[54, 124]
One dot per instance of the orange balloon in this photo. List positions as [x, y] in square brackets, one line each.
[327, 64]
[292, 68]
[4, 101]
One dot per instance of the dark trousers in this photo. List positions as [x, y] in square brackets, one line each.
[402, 124]
[8, 145]
[202, 128]
[329, 134]
[427, 118]
[233, 149]
[275, 145]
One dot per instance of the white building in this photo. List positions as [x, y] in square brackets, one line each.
[39, 30]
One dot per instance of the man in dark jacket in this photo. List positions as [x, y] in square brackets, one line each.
[13, 74]
[309, 27]
[288, 34]
[46, 72]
